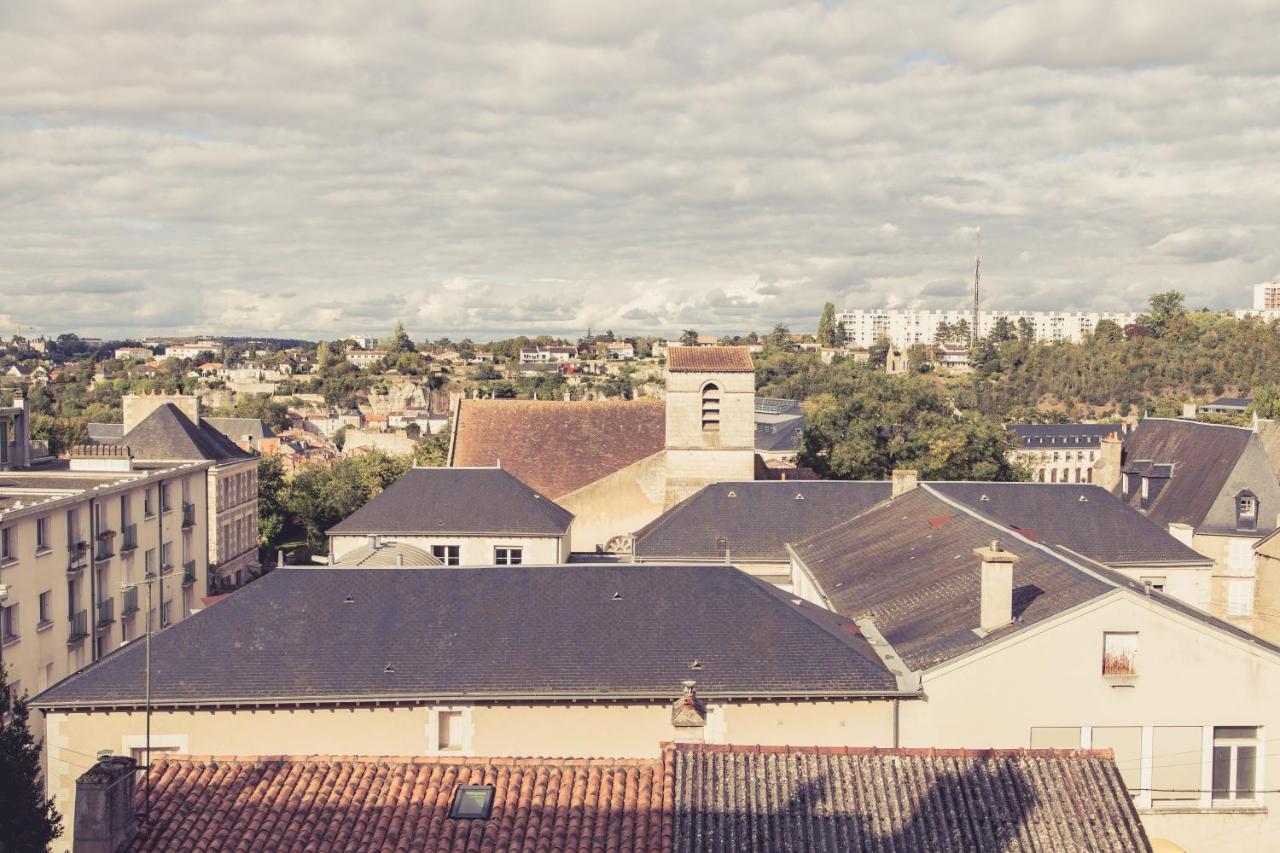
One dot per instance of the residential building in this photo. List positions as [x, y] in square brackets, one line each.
[953, 356]
[134, 353]
[1225, 406]
[362, 341]
[461, 517]
[247, 433]
[692, 798]
[1209, 485]
[1061, 453]
[73, 535]
[1020, 643]
[902, 328]
[570, 661]
[366, 358]
[1266, 297]
[548, 355]
[327, 422]
[1266, 567]
[169, 428]
[619, 350]
[617, 465]
[189, 351]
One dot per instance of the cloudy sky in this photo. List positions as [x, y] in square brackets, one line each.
[310, 168]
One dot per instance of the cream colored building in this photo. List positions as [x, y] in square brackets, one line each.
[72, 535]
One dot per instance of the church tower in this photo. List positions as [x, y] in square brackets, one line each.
[711, 427]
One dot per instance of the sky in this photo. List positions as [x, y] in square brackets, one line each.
[303, 168]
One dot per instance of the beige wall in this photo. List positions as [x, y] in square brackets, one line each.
[618, 504]
[1050, 676]
[1233, 563]
[737, 411]
[579, 730]
[1192, 584]
[473, 550]
[1266, 618]
[136, 407]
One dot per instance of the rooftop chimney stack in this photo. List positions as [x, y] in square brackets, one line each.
[21, 431]
[904, 480]
[105, 821]
[997, 586]
[1107, 468]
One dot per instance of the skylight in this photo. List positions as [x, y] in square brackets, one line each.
[472, 802]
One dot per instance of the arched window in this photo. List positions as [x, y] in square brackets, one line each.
[710, 407]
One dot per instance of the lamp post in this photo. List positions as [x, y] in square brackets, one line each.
[149, 579]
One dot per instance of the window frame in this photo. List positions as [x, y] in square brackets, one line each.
[1233, 745]
[513, 556]
[449, 555]
[456, 812]
[1110, 670]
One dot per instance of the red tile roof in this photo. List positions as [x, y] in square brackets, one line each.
[323, 803]
[709, 360]
[696, 797]
[557, 447]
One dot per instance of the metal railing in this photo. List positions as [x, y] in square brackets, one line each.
[189, 573]
[106, 611]
[130, 537]
[79, 556]
[188, 515]
[79, 627]
[129, 601]
[102, 548]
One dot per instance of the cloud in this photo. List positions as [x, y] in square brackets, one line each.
[473, 166]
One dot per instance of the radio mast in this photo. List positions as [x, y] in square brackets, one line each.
[977, 290]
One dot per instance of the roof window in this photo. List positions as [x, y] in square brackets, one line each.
[472, 802]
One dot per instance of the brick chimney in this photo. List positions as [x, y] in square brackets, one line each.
[689, 714]
[997, 586]
[105, 820]
[1106, 471]
[904, 480]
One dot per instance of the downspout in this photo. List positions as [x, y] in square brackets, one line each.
[896, 703]
[159, 545]
[91, 618]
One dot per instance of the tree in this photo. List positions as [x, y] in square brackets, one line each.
[432, 451]
[1164, 309]
[28, 821]
[780, 338]
[1266, 402]
[272, 513]
[827, 326]
[878, 353]
[689, 337]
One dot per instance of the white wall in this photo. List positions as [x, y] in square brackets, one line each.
[475, 550]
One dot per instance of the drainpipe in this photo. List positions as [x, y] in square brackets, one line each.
[895, 723]
[92, 571]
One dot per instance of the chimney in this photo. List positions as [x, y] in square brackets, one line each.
[688, 712]
[1190, 411]
[904, 480]
[105, 820]
[21, 432]
[1107, 468]
[997, 586]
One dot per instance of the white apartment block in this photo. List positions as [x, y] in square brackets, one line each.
[1266, 297]
[863, 328]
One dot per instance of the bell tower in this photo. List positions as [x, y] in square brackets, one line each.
[711, 426]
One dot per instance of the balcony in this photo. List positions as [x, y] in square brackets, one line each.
[78, 558]
[189, 573]
[129, 602]
[188, 515]
[79, 627]
[130, 538]
[103, 549]
[106, 612]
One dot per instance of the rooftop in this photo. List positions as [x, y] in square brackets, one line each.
[168, 434]
[557, 447]
[1064, 435]
[714, 359]
[589, 632]
[690, 798]
[237, 428]
[436, 501]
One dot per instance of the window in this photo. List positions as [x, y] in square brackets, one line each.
[73, 529]
[1246, 511]
[46, 607]
[1175, 763]
[1055, 737]
[166, 556]
[1126, 742]
[1146, 488]
[1240, 555]
[1120, 653]
[472, 802]
[148, 505]
[126, 629]
[447, 554]
[6, 543]
[1235, 762]
[1156, 582]
[139, 753]
[42, 534]
[166, 613]
[8, 624]
[164, 497]
[149, 562]
[711, 408]
[1124, 486]
[1239, 597]
[449, 726]
[508, 556]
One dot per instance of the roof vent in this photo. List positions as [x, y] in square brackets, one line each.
[697, 664]
[348, 600]
[732, 494]
[388, 668]
[796, 601]
[1083, 499]
[984, 498]
[799, 496]
[617, 596]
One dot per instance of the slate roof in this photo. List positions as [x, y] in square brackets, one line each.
[1063, 435]
[339, 803]
[715, 359]
[471, 501]
[507, 633]
[909, 566]
[1085, 518]
[105, 432]
[692, 798]
[236, 428]
[168, 434]
[1232, 402]
[757, 519]
[387, 554]
[1202, 457]
[557, 447]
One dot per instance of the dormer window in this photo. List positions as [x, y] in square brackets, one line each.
[1246, 511]
[1146, 488]
[1125, 486]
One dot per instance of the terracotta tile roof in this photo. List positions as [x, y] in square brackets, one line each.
[693, 798]
[402, 803]
[557, 447]
[710, 360]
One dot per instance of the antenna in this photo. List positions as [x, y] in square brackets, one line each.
[977, 289]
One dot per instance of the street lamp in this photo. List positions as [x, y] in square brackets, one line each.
[148, 579]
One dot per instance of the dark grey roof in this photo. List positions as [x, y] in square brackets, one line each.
[1064, 435]
[610, 631]
[168, 434]
[778, 433]
[836, 799]
[1087, 519]
[1232, 402]
[105, 432]
[433, 501]
[909, 566]
[757, 519]
[1202, 457]
[237, 428]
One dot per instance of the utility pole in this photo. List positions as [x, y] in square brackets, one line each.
[977, 290]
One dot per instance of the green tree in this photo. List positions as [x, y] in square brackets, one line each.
[1266, 402]
[273, 515]
[878, 353]
[1164, 309]
[432, 450]
[827, 326]
[780, 339]
[689, 337]
[28, 820]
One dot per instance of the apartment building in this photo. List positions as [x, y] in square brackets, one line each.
[1061, 453]
[77, 538]
[864, 328]
[366, 358]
